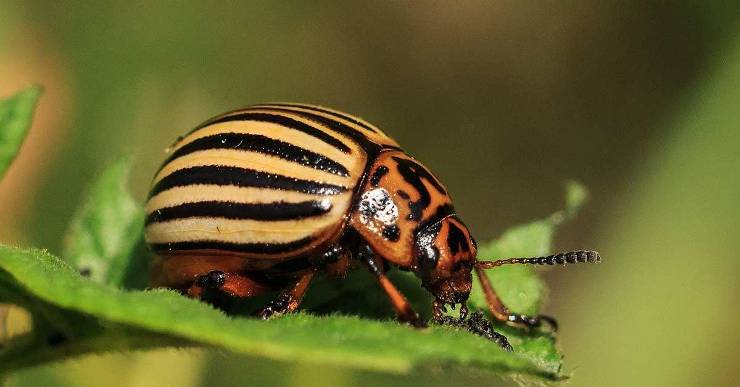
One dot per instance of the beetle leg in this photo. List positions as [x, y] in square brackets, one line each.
[476, 324]
[232, 284]
[502, 313]
[290, 300]
[401, 305]
[438, 310]
[335, 262]
[479, 325]
[339, 268]
[219, 289]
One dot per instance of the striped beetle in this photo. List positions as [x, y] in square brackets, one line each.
[263, 198]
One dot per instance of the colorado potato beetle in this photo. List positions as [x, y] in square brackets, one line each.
[264, 198]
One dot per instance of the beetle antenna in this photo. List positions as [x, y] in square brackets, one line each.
[579, 256]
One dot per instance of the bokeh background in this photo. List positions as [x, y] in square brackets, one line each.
[505, 101]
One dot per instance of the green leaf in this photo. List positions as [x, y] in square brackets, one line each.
[16, 113]
[106, 228]
[166, 318]
[75, 315]
[518, 285]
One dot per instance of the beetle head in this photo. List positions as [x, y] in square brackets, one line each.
[445, 253]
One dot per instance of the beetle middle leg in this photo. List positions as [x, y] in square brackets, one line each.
[219, 288]
[502, 313]
[403, 308]
[289, 300]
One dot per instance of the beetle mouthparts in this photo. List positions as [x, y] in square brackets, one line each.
[579, 256]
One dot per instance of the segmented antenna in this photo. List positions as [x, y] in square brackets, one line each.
[580, 256]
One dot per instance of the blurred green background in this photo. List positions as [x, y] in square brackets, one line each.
[503, 100]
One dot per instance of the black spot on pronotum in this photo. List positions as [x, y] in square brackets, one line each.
[378, 174]
[413, 173]
[392, 233]
[403, 194]
[416, 208]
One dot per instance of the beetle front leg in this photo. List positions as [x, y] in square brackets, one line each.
[401, 305]
[476, 324]
[502, 313]
[290, 300]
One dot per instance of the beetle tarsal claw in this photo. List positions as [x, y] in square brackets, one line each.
[532, 321]
[463, 311]
[477, 324]
[439, 308]
[415, 321]
[276, 307]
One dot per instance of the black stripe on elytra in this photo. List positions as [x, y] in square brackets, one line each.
[283, 121]
[335, 114]
[255, 248]
[370, 147]
[242, 177]
[261, 144]
[412, 172]
[229, 210]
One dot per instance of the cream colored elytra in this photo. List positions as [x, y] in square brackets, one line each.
[291, 134]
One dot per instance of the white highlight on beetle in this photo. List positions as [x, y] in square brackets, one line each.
[377, 209]
[325, 204]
